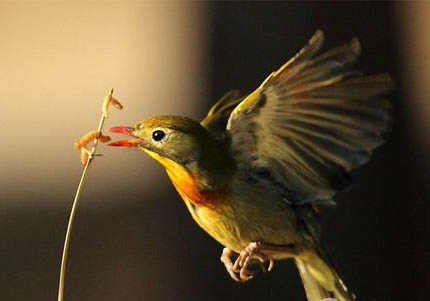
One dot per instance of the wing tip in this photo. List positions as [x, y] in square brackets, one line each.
[317, 37]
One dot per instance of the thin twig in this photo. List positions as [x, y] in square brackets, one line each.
[73, 210]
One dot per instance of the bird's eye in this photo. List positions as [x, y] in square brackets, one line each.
[158, 135]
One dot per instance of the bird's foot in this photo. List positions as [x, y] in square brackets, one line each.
[255, 252]
[246, 257]
[240, 271]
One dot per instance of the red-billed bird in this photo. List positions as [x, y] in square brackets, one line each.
[254, 170]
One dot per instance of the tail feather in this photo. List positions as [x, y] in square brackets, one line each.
[320, 279]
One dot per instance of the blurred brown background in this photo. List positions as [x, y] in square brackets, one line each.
[133, 238]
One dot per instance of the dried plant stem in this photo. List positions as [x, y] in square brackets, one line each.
[73, 210]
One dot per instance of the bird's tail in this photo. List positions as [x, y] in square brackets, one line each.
[320, 278]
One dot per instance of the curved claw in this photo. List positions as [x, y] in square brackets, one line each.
[245, 273]
[226, 259]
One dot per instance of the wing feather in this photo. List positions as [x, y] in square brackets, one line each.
[216, 119]
[312, 121]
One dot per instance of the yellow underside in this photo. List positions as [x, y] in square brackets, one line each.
[184, 183]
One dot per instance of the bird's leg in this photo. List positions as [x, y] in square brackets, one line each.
[259, 251]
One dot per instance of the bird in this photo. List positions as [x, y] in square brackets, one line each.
[256, 170]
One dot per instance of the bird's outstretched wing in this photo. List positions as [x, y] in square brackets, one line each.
[312, 121]
[217, 117]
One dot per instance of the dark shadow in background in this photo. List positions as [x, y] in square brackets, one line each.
[378, 234]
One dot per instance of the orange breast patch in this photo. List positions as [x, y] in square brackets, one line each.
[185, 183]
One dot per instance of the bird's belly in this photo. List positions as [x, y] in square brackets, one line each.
[239, 218]
[235, 226]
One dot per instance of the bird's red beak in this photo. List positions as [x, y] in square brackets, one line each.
[125, 130]
[128, 131]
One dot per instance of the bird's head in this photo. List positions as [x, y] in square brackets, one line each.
[170, 139]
